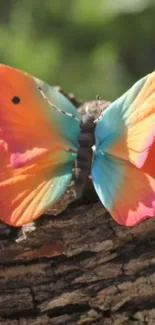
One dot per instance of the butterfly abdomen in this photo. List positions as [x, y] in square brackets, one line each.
[86, 141]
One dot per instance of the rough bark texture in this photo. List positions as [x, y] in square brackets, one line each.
[79, 267]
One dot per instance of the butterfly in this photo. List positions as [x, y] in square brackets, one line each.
[43, 138]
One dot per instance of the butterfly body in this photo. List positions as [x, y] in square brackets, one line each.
[86, 140]
[83, 161]
[43, 138]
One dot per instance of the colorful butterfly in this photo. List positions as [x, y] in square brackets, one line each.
[43, 138]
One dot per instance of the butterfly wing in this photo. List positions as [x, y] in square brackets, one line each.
[127, 192]
[71, 130]
[36, 166]
[127, 127]
[33, 126]
[26, 192]
[123, 169]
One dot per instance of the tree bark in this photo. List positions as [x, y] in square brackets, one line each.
[79, 267]
[76, 268]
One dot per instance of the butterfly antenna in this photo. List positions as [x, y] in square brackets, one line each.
[56, 108]
[98, 98]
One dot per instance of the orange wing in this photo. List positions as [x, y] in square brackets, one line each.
[36, 166]
[27, 125]
[25, 193]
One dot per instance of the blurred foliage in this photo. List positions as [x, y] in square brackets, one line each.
[88, 47]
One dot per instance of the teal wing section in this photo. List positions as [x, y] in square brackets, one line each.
[127, 192]
[114, 121]
[107, 176]
[67, 126]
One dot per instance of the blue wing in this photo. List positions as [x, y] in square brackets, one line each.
[127, 192]
[114, 120]
[124, 157]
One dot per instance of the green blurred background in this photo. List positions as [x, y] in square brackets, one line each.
[89, 47]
